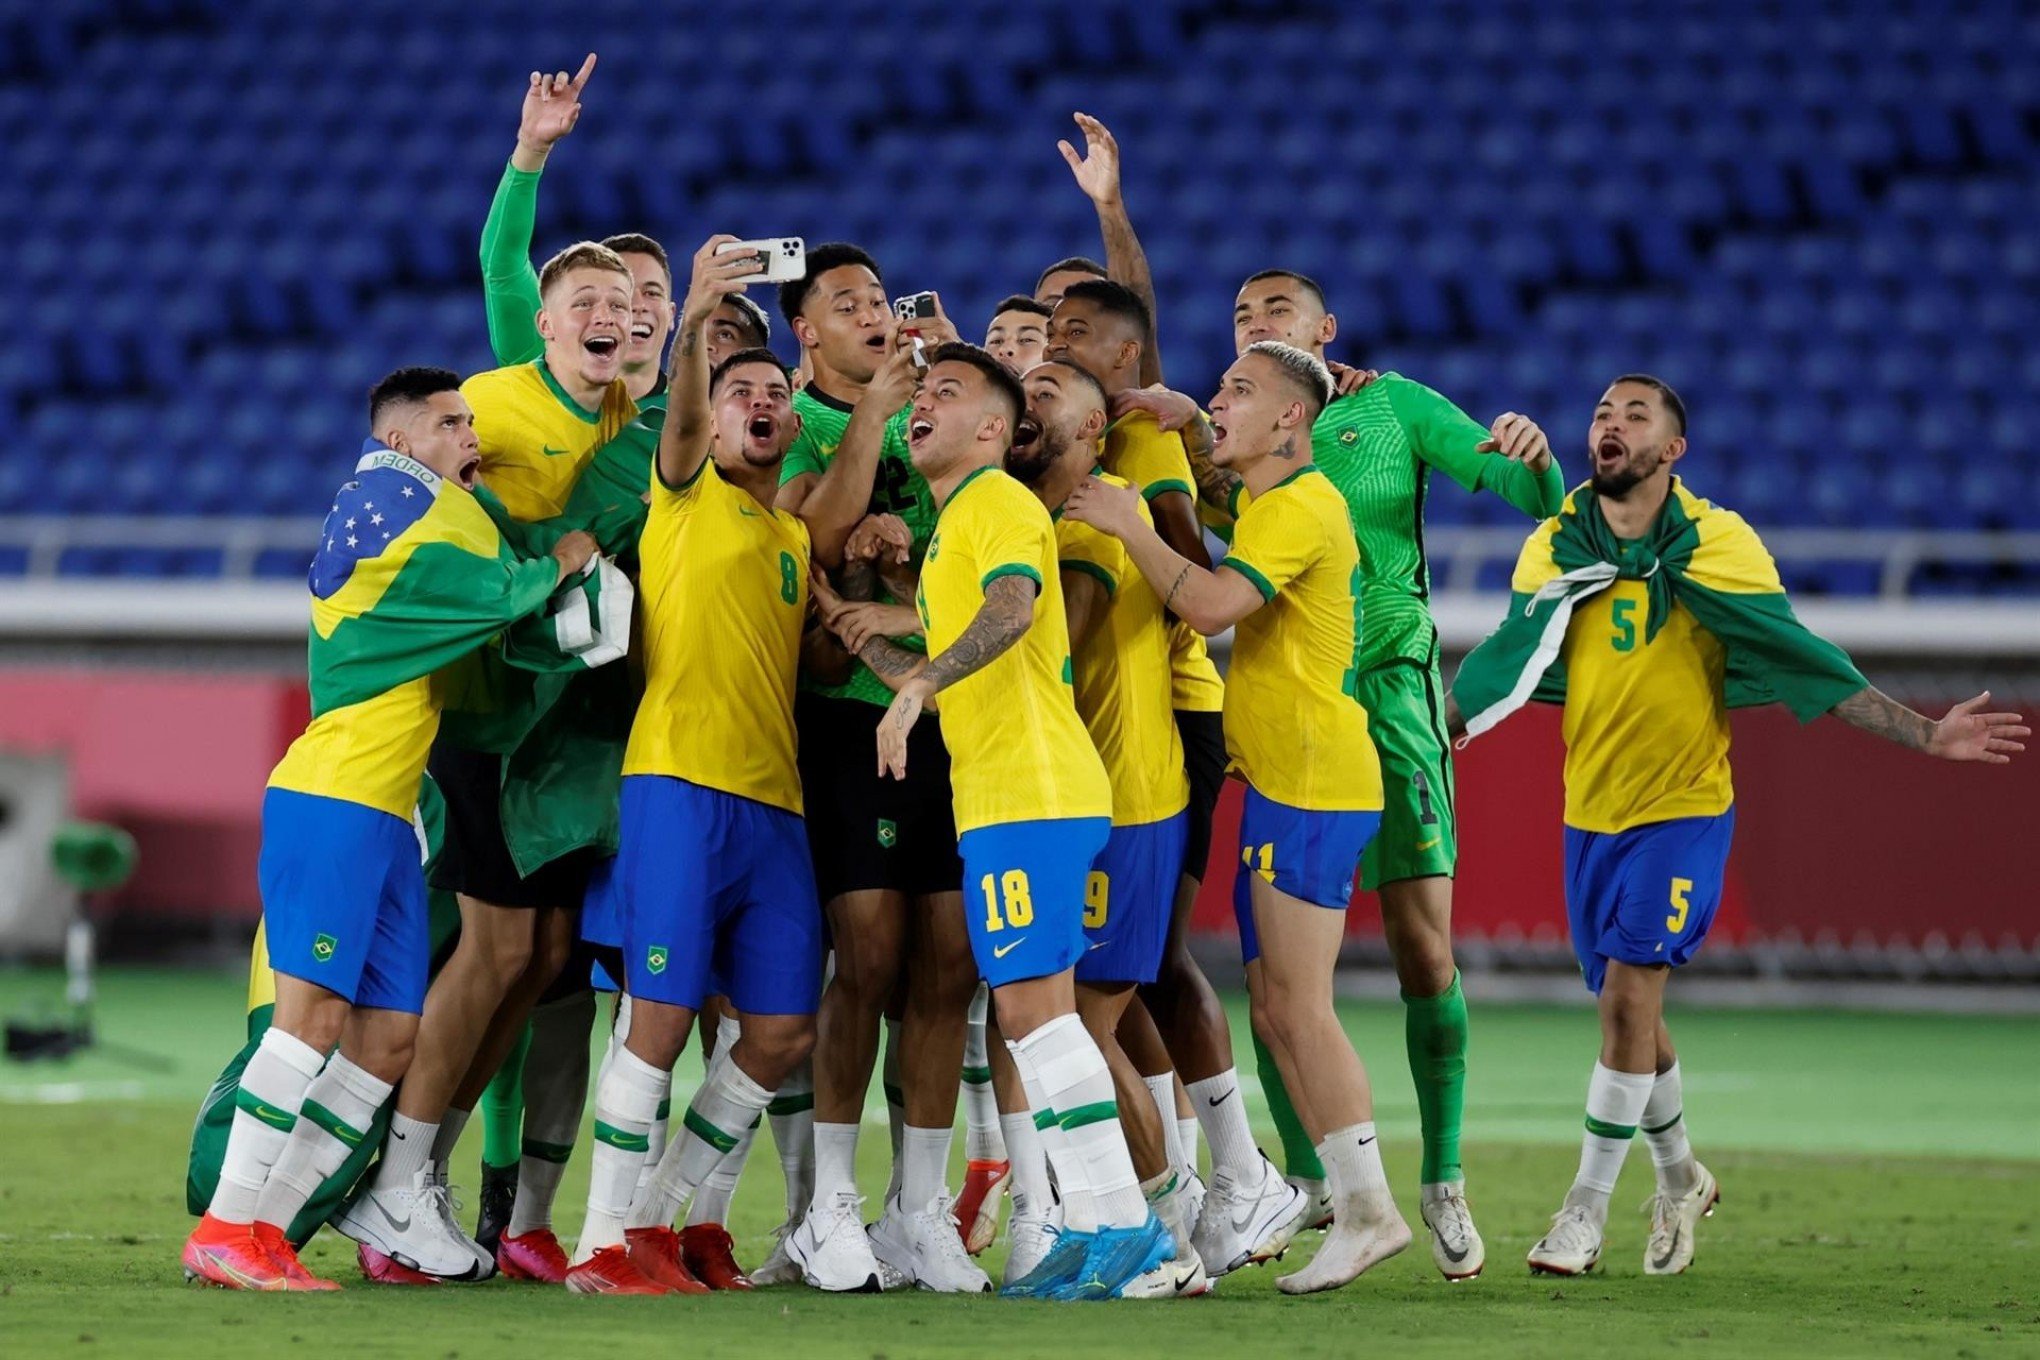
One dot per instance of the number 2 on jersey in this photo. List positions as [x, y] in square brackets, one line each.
[1017, 909]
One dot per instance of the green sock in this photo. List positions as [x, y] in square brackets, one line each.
[1435, 1032]
[503, 1108]
[1299, 1154]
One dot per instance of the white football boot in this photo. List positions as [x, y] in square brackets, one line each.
[779, 1267]
[1456, 1247]
[925, 1248]
[449, 1213]
[1247, 1223]
[1673, 1219]
[1028, 1238]
[1320, 1192]
[1572, 1246]
[408, 1225]
[830, 1247]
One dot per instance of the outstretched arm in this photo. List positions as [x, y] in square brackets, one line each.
[1964, 734]
[1097, 172]
[1209, 601]
[552, 105]
[1005, 615]
[835, 502]
[684, 439]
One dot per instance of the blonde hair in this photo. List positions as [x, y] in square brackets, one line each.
[580, 255]
[1302, 368]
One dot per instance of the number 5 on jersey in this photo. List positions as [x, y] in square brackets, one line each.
[1017, 907]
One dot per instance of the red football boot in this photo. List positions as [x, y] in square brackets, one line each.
[230, 1256]
[656, 1253]
[709, 1255]
[381, 1269]
[536, 1255]
[977, 1208]
[609, 1271]
[295, 1276]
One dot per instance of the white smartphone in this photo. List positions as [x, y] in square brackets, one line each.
[785, 258]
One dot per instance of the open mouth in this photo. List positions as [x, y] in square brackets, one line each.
[919, 428]
[469, 471]
[640, 332]
[1217, 433]
[875, 343]
[762, 428]
[601, 346]
[1609, 451]
[1026, 431]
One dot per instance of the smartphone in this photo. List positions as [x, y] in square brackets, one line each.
[914, 307]
[784, 257]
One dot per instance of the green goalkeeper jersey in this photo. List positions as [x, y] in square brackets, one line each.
[1379, 446]
[896, 489]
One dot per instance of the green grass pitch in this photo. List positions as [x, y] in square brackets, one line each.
[1880, 1174]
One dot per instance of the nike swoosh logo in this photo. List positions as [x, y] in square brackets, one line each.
[1363, 1142]
[1215, 1101]
[1455, 1257]
[1001, 951]
[1099, 945]
[268, 1114]
[747, 512]
[551, 452]
[1430, 844]
[400, 1224]
[1670, 1251]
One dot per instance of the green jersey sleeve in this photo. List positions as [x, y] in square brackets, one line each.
[509, 283]
[1449, 440]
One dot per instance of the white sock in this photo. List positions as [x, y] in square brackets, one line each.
[1079, 1208]
[1077, 1085]
[1186, 1139]
[1615, 1102]
[1163, 1090]
[1029, 1184]
[792, 1117]
[406, 1151]
[924, 1167]
[1352, 1162]
[655, 1144]
[835, 1160]
[555, 1093]
[981, 1140]
[627, 1100]
[1222, 1112]
[338, 1107]
[711, 1202]
[1664, 1128]
[895, 1101]
[727, 1103]
[447, 1138]
[273, 1084]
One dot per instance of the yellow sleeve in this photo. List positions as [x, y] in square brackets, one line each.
[1008, 544]
[1274, 542]
[1079, 547]
[679, 499]
[1153, 460]
[1534, 566]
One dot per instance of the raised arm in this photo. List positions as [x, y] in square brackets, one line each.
[509, 283]
[684, 439]
[835, 502]
[1209, 601]
[1511, 458]
[1097, 172]
[1216, 487]
[1963, 734]
[1005, 615]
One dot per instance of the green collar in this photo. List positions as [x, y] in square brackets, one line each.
[1097, 470]
[586, 415]
[1307, 467]
[975, 473]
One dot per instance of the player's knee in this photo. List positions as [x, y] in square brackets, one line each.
[502, 953]
[868, 969]
[1425, 968]
[771, 1052]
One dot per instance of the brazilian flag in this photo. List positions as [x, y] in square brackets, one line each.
[1697, 555]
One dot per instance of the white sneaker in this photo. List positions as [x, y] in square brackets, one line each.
[925, 1249]
[1193, 1199]
[1320, 1191]
[1571, 1247]
[1247, 1223]
[450, 1210]
[830, 1247]
[406, 1225]
[1672, 1221]
[1028, 1238]
[779, 1267]
[1181, 1277]
[1456, 1247]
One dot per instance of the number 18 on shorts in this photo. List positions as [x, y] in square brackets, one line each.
[1023, 894]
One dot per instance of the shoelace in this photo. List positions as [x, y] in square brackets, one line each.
[1452, 1220]
[1571, 1229]
[1662, 1209]
[947, 1242]
[846, 1208]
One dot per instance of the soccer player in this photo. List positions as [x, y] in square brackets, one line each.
[1379, 444]
[1018, 333]
[885, 852]
[1666, 611]
[1032, 802]
[1313, 799]
[410, 574]
[713, 861]
[1056, 279]
[1120, 641]
[539, 424]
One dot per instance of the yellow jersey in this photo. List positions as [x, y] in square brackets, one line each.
[1292, 725]
[370, 753]
[1151, 458]
[1646, 722]
[1018, 752]
[723, 592]
[535, 438]
[1122, 678]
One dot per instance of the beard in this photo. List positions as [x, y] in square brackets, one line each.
[1618, 482]
[1030, 462]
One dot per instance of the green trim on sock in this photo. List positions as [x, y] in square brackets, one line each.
[798, 1103]
[665, 1109]
[556, 1153]
[1044, 1120]
[502, 1106]
[1097, 1112]
[1299, 1153]
[622, 1139]
[1602, 1129]
[331, 1123]
[1435, 1035]
[267, 1114]
[1669, 1123]
[894, 1095]
[1163, 1192]
[977, 1076]
[707, 1132]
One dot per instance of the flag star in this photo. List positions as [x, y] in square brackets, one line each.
[352, 541]
[386, 535]
[368, 505]
[350, 521]
[408, 492]
[375, 519]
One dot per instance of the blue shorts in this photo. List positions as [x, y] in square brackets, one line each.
[1129, 898]
[717, 885]
[1023, 894]
[1645, 895]
[343, 899]
[602, 921]
[1312, 856]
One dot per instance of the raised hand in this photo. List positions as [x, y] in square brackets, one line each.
[1966, 734]
[1517, 438]
[1171, 410]
[879, 537]
[1097, 170]
[715, 278]
[1350, 380]
[552, 105]
[1110, 509]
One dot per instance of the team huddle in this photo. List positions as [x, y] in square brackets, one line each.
[866, 707]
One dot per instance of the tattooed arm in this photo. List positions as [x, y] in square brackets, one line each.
[1210, 601]
[1005, 615]
[684, 439]
[1216, 486]
[1964, 734]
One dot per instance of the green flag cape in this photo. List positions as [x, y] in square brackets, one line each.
[1697, 555]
